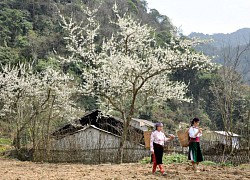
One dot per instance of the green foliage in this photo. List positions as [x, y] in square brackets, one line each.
[5, 141]
[168, 159]
[133, 6]
[8, 55]
[2, 149]
[32, 30]
[44, 63]
[175, 158]
[145, 160]
[209, 163]
[15, 25]
[5, 144]
[226, 164]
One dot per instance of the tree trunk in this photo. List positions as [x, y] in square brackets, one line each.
[48, 128]
[123, 139]
[17, 141]
[248, 134]
[122, 145]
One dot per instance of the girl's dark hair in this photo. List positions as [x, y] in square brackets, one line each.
[159, 124]
[194, 120]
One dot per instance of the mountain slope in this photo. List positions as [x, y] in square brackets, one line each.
[239, 37]
[30, 30]
[225, 46]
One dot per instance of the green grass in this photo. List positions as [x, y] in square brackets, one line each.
[209, 163]
[4, 145]
[227, 164]
[5, 141]
[168, 159]
[180, 158]
[244, 166]
[2, 149]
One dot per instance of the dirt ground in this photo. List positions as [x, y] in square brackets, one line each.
[17, 170]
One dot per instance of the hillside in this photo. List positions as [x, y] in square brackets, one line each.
[223, 44]
[239, 37]
[30, 30]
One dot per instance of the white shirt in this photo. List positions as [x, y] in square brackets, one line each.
[157, 137]
[192, 131]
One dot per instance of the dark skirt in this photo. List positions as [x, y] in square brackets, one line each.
[194, 153]
[158, 152]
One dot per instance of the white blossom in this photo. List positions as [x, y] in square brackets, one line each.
[130, 65]
[28, 96]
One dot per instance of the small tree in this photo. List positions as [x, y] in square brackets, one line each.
[32, 101]
[129, 66]
[228, 88]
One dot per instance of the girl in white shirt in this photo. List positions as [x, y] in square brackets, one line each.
[157, 141]
[195, 154]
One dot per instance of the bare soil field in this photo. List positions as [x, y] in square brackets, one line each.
[17, 170]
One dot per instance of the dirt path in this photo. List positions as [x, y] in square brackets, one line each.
[16, 170]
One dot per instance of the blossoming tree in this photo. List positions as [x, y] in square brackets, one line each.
[129, 69]
[32, 101]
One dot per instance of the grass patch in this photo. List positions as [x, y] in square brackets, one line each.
[168, 159]
[2, 149]
[145, 160]
[226, 164]
[5, 145]
[244, 166]
[5, 141]
[209, 163]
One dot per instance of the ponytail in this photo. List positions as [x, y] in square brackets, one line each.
[194, 120]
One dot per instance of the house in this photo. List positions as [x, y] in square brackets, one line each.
[93, 139]
[223, 137]
[107, 123]
[142, 124]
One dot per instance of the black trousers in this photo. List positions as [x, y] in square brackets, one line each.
[158, 152]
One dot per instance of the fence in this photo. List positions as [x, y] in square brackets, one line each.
[90, 145]
[216, 150]
[94, 147]
[219, 152]
[91, 156]
[232, 159]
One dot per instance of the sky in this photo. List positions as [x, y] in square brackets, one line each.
[205, 16]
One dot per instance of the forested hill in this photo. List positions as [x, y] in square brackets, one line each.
[30, 30]
[223, 44]
[239, 37]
